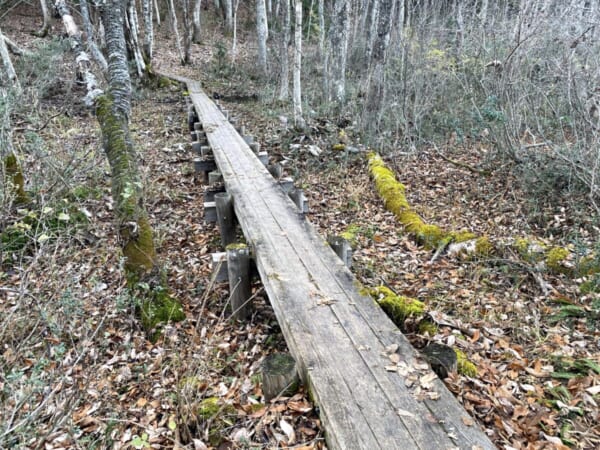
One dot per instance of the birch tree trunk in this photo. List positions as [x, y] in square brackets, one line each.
[284, 40]
[298, 120]
[156, 12]
[89, 35]
[176, 31]
[262, 34]
[9, 70]
[187, 31]
[375, 93]
[228, 6]
[148, 29]
[234, 27]
[338, 38]
[197, 24]
[134, 42]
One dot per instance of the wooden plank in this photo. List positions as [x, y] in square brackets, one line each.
[337, 336]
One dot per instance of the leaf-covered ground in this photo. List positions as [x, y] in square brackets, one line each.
[78, 372]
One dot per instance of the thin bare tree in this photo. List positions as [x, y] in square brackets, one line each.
[262, 32]
[297, 98]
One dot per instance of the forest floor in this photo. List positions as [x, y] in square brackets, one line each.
[77, 370]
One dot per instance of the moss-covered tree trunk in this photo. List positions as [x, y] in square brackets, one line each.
[135, 232]
[113, 111]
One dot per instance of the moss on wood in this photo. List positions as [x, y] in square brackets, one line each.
[14, 173]
[393, 194]
[397, 307]
[465, 367]
[157, 309]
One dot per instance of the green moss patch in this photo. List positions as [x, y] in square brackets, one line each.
[160, 308]
[397, 307]
[465, 367]
[393, 194]
[17, 181]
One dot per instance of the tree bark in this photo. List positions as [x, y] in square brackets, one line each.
[133, 28]
[298, 120]
[176, 31]
[284, 78]
[187, 31]
[262, 32]
[197, 24]
[376, 73]
[338, 38]
[9, 70]
[227, 4]
[89, 35]
[46, 25]
[148, 29]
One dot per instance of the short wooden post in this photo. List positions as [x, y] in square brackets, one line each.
[279, 376]
[238, 271]
[210, 212]
[298, 197]
[196, 148]
[276, 170]
[342, 248]
[205, 150]
[209, 195]
[225, 217]
[215, 177]
[255, 147]
[263, 157]
[198, 126]
[248, 139]
[192, 117]
[219, 266]
[286, 184]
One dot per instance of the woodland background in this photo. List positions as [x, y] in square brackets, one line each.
[487, 112]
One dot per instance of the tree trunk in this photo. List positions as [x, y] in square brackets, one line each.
[133, 35]
[376, 82]
[197, 24]
[262, 34]
[89, 35]
[298, 120]
[227, 4]
[187, 32]
[9, 70]
[175, 27]
[156, 12]
[46, 25]
[338, 38]
[234, 27]
[148, 29]
[283, 50]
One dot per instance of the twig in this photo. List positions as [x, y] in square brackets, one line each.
[463, 165]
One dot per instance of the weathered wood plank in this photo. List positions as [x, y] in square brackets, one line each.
[337, 336]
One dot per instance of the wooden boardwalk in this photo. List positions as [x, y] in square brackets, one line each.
[340, 339]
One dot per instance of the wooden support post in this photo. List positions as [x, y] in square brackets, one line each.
[286, 184]
[192, 117]
[204, 165]
[248, 139]
[279, 376]
[215, 177]
[342, 248]
[234, 121]
[263, 157]
[196, 148]
[238, 271]
[255, 147]
[225, 217]
[225, 113]
[276, 170]
[205, 151]
[209, 195]
[242, 129]
[218, 263]
[210, 212]
[198, 126]
[298, 197]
